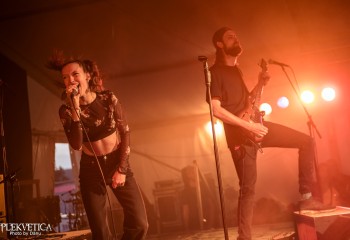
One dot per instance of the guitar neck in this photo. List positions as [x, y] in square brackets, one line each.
[260, 86]
[258, 94]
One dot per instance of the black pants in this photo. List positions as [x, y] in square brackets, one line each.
[94, 197]
[245, 163]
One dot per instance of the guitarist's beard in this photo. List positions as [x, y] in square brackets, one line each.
[233, 51]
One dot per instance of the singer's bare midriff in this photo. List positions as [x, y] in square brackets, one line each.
[102, 146]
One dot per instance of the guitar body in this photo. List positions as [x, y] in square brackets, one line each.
[251, 113]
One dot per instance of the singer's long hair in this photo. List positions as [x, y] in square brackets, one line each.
[57, 61]
[219, 56]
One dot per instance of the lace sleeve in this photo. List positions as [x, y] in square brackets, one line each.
[124, 132]
[73, 130]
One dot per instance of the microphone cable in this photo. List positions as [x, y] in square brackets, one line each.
[100, 170]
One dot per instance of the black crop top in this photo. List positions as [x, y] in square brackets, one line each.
[100, 118]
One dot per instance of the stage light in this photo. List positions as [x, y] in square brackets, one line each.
[328, 94]
[283, 102]
[266, 108]
[307, 96]
[219, 128]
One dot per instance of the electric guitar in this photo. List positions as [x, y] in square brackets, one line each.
[251, 113]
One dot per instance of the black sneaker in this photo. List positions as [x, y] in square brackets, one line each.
[311, 205]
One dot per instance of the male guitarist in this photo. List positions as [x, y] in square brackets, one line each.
[231, 100]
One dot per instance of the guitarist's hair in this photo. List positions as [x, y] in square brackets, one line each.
[217, 37]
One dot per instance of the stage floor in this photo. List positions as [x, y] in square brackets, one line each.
[260, 232]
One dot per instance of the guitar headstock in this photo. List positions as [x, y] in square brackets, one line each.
[263, 64]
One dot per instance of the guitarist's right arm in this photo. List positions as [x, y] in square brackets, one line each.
[227, 117]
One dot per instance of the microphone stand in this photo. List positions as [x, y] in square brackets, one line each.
[312, 129]
[207, 76]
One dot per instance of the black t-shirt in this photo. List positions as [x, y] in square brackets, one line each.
[227, 84]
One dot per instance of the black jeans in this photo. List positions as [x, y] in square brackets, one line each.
[245, 163]
[94, 197]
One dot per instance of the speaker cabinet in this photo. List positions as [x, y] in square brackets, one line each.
[16, 120]
[168, 207]
[16, 143]
[333, 225]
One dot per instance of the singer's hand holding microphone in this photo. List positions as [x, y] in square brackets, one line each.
[72, 90]
[73, 93]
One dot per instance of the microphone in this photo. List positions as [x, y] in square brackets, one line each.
[75, 91]
[207, 74]
[202, 58]
[270, 61]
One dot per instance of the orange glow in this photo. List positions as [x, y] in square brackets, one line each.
[283, 102]
[328, 94]
[219, 128]
[266, 108]
[307, 96]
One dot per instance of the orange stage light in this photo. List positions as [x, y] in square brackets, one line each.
[219, 128]
[307, 96]
[266, 108]
[328, 94]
